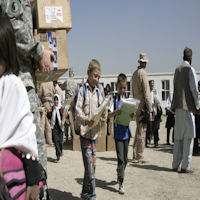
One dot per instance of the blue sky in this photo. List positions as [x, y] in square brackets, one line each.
[116, 31]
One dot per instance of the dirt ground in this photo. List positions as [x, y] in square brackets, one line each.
[151, 181]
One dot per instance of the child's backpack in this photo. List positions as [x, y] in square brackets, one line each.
[76, 124]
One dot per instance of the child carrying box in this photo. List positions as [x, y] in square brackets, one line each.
[86, 105]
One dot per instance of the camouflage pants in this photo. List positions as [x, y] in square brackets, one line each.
[39, 132]
[139, 141]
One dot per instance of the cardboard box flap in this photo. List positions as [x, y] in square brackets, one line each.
[52, 14]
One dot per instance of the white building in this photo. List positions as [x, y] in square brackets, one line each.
[163, 83]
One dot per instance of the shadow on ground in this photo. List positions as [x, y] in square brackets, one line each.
[165, 148]
[107, 159]
[53, 160]
[59, 195]
[101, 184]
[67, 145]
[151, 167]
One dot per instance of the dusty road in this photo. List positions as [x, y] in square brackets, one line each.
[151, 181]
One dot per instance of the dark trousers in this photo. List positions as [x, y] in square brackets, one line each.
[149, 132]
[196, 144]
[168, 134]
[156, 137]
[88, 148]
[122, 157]
[58, 141]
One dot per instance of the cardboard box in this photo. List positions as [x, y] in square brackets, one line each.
[110, 138]
[76, 143]
[101, 140]
[52, 14]
[56, 41]
[110, 143]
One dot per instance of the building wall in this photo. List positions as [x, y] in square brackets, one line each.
[160, 80]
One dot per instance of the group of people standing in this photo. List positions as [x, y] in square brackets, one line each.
[149, 110]
[180, 114]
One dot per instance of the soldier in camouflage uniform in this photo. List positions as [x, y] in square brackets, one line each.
[29, 51]
[70, 87]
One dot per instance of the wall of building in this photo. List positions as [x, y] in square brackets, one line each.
[163, 83]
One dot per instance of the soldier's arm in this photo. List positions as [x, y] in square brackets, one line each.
[146, 89]
[27, 45]
[40, 91]
[63, 86]
[21, 19]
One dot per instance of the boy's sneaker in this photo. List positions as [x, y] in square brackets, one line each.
[121, 188]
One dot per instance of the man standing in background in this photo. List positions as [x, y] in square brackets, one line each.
[70, 88]
[141, 91]
[185, 103]
[46, 93]
[149, 132]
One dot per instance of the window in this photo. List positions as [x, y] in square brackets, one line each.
[113, 88]
[128, 89]
[165, 89]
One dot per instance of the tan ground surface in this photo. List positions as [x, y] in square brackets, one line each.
[152, 181]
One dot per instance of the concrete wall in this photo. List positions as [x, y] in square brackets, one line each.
[158, 78]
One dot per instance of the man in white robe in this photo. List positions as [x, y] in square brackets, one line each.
[185, 103]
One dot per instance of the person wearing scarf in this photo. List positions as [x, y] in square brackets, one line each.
[57, 125]
[17, 131]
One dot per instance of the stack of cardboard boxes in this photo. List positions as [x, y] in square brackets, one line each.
[53, 21]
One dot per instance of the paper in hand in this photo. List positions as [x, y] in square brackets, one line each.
[127, 107]
[98, 113]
